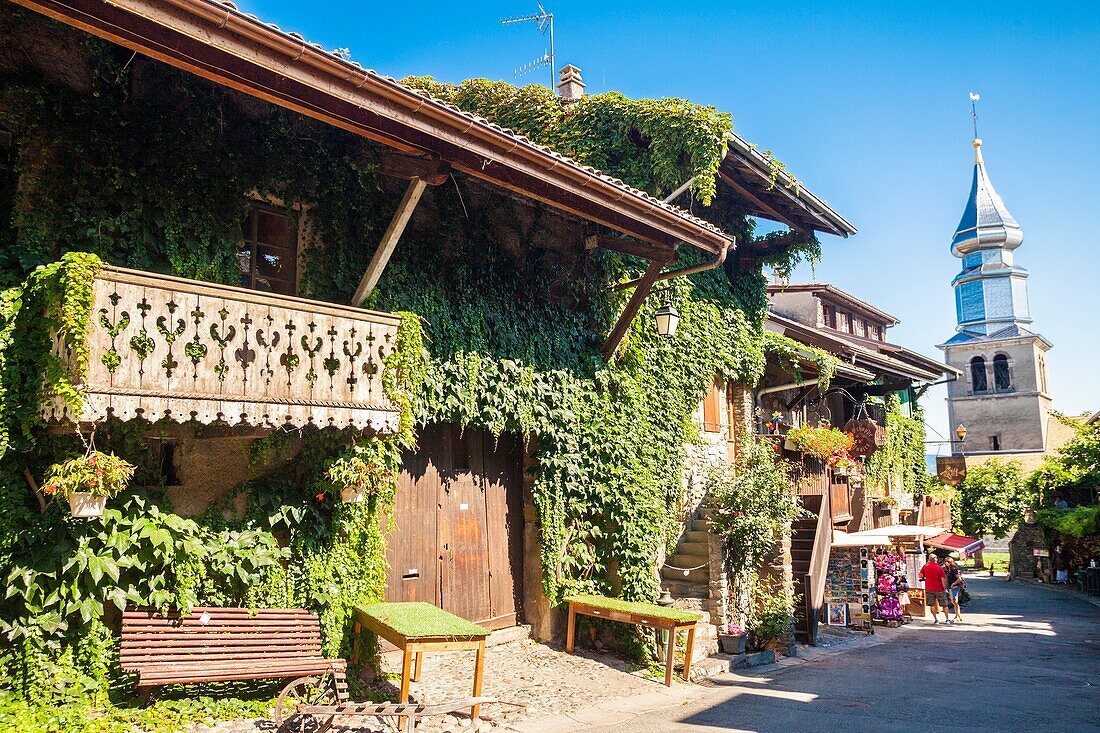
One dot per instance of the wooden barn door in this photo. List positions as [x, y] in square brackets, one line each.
[457, 535]
[412, 550]
[464, 539]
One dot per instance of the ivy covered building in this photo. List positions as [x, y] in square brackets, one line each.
[247, 265]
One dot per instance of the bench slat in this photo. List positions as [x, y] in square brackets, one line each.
[234, 644]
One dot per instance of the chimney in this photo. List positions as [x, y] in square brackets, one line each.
[570, 86]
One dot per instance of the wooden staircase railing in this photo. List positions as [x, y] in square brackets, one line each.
[813, 586]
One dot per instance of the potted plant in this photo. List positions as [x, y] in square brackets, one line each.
[88, 481]
[360, 472]
[822, 441]
[772, 616]
[733, 640]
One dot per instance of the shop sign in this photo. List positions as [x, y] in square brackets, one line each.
[951, 469]
[867, 436]
[1040, 553]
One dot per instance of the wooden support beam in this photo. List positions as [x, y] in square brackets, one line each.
[396, 164]
[631, 310]
[634, 248]
[746, 193]
[801, 395]
[389, 240]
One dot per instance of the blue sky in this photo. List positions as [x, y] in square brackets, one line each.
[865, 102]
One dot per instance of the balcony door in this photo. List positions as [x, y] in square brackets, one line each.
[268, 256]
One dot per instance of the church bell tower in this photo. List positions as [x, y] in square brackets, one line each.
[1002, 396]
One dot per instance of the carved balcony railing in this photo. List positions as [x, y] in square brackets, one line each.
[164, 347]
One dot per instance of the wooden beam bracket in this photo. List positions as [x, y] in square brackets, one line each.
[389, 240]
[631, 310]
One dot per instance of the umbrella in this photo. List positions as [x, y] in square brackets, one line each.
[965, 546]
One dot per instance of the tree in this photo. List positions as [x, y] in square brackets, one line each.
[992, 499]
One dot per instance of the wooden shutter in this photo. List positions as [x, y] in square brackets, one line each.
[712, 407]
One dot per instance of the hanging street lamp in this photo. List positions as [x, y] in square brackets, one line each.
[668, 318]
[961, 432]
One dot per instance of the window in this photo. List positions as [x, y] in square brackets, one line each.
[1002, 379]
[841, 321]
[994, 442]
[858, 327]
[269, 253]
[978, 381]
[712, 408]
[1043, 374]
[827, 316]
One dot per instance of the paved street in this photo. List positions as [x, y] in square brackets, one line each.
[1027, 659]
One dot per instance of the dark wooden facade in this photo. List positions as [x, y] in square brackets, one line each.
[457, 531]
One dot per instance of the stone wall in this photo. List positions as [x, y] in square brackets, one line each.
[1028, 537]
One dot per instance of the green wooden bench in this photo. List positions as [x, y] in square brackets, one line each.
[649, 615]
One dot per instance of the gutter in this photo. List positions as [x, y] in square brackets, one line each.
[683, 271]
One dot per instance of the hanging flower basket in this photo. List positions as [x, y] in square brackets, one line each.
[823, 441]
[360, 472]
[352, 495]
[88, 481]
[84, 505]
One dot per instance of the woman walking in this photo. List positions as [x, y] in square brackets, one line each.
[955, 584]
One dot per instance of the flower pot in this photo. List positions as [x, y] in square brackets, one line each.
[83, 504]
[732, 644]
[351, 496]
[790, 445]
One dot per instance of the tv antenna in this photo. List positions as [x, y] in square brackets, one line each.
[545, 23]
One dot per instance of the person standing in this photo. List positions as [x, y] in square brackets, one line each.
[955, 584]
[935, 587]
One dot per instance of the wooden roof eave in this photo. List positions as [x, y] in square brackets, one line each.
[219, 43]
[776, 200]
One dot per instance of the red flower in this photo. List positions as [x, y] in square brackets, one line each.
[738, 514]
[50, 490]
[92, 459]
[91, 483]
[321, 497]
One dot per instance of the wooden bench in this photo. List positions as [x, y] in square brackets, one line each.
[224, 644]
[648, 615]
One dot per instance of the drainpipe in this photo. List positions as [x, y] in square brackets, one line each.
[676, 194]
[691, 270]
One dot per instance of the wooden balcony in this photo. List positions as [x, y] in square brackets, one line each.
[167, 348]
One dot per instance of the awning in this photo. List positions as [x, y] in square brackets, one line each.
[858, 539]
[965, 546]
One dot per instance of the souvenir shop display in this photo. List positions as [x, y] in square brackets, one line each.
[848, 584]
[891, 589]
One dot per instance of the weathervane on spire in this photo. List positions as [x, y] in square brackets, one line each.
[974, 97]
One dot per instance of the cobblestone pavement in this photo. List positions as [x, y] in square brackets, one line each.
[531, 681]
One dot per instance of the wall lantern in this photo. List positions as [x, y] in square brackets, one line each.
[961, 432]
[668, 318]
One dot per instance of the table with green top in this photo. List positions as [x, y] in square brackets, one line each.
[420, 628]
[649, 615]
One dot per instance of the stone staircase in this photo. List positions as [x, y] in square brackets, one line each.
[691, 590]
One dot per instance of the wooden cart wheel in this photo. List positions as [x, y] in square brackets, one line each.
[299, 693]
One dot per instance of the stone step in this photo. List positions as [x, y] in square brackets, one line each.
[687, 560]
[693, 548]
[694, 576]
[700, 525]
[695, 535]
[685, 589]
